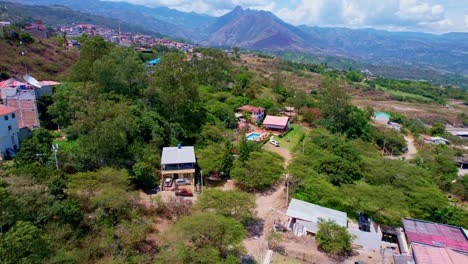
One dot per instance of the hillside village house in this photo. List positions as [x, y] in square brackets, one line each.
[22, 96]
[258, 113]
[9, 143]
[382, 118]
[426, 242]
[276, 123]
[38, 30]
[177, 163]
[304, 218]
[435, 140]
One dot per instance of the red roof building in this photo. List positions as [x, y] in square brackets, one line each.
[258, 113]
[434, 234]
[11, 83]
[434, 255]
[5, 110]
[38, 30]
[252, 109]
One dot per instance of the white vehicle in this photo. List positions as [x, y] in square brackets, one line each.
[168, 182]
[274, 143]
[182, 182]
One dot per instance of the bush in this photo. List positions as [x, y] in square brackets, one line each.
[332, 238]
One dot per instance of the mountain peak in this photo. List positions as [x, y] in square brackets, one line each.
[238, 9]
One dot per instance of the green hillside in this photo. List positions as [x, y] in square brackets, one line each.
[59, 15]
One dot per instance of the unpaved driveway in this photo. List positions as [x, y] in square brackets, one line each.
[270, 206]
[412, 150]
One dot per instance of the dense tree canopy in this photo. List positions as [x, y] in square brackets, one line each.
[259, 172]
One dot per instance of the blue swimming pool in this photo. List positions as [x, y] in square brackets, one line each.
[253, 136]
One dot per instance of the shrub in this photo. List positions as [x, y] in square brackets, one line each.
[332, 238]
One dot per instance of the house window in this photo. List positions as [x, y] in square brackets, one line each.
[5, 117]
[9, 128]
[13, 115]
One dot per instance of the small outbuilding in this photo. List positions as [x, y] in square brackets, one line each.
[304, 217]
[382, 118]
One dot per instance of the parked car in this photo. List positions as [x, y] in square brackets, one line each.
[274, 143]
[183, 192]
[168, 182]
[364, 222]
[182, 182]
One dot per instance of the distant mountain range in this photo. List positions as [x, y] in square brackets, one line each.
[261, 30]
[60, 15]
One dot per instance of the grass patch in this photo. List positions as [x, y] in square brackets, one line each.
[292, 139]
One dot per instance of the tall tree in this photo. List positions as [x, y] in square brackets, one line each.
[333, 103]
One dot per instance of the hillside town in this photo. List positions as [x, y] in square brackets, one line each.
[233, 158]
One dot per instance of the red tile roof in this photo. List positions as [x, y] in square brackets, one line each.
[433, 255]
[281, 121]
[252, 109]
[11, 83]
[434, 234]
[5, 110]
[48, 83]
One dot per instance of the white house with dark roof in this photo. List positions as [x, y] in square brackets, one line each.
[177, 163]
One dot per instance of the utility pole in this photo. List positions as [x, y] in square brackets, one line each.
[55, 150]
[201, 181]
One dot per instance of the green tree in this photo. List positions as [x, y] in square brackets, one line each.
[236, 204]
[259, 172]
[437, 129]
[105, 192]
[37, 148]
[10, 210]
[228, 158]
[332, 238]
[120, 71]
[92, 49]
[210, 158]
[24, 243]
[176, 95]
[202, 238]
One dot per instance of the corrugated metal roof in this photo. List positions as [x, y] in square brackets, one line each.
[438, 235]
[434, 255]
[174, 155]
[403, 259]
[312, 212]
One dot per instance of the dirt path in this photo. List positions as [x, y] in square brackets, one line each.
[270, 206]
[284, 152]
[412, 150]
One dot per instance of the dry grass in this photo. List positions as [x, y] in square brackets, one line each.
[266, 68]
[43, 59]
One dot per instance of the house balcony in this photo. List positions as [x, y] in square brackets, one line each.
[184, 168]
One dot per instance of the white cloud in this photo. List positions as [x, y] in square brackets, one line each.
[415, 15]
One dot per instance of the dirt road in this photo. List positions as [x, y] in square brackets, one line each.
[270, 206]
[412, 150]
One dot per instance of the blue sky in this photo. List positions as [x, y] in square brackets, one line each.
[396, 15]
